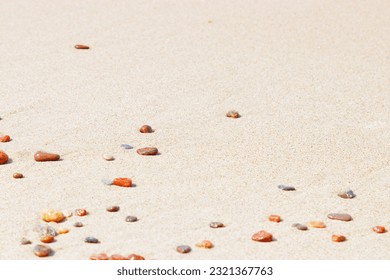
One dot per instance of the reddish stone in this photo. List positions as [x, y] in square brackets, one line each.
[274, 218]
[338, 238]
[146, 129]
[148, 151]
[135, 257]
[80, 212]
[117, 257]
[81, 47]
[99, 257]
[43, 156]
[17, 175]
[5, 138]
[232, 114]
[379, 229]
[122, 182]
[262, 236]
[3, 157]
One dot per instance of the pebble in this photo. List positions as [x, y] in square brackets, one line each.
[338, 238]
[78, 224]
[205, 244]
[41, 250]
[183, 249]
[379, 229]
[135, 257]
[80, 212]
[232, 114]
[147, 151]
[81, 47]
[274, 218]
[113, 208]
[286, 188]
[126, 146]
[108, 157]
[47, 239]
[43, 156]
[3, 157]
[122, 182]
[62, 230]
[91, 239]
[44, 230]
[52, 216]
[25, 241]
[216, 225]
[117, 257]
[316, 224]
[347, 194]
[17, 175]
[340, 217]
[5, 138]
[99, 257]
[299, 226]
[262, 236]
[131, 219]
[145, 129]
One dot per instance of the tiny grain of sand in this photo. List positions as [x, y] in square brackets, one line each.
[309, 78]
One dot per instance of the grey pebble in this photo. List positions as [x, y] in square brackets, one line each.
[78, 224]
[131, 219]
[25, 241]
[286, 188]
[340, 217]
[126, 146]
[299, 226]
[44, 230]
[347, 194]
[91, 239]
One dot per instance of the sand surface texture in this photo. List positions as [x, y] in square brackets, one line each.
[310, 79]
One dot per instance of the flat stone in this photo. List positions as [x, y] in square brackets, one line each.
[316, 224]
[286, 188]
[131, 219]
[299, 226]
[78, 224]
[91, 239]
[147, 151]
[81, 47]
[183, 249]
[122, 182]
[216, 225]
[44, 156]
[340, 217]
[126, 146]
[108, 157]
[99, 257]
[232, 114]
[347, 194]
[113, 208]
[262, 236]
[25, 241]
[135, 257]
[338, 238]
[379, 229]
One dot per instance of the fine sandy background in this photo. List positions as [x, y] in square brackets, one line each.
[310, 79]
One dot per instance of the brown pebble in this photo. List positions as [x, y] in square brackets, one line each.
[43, 156]
[340, 217]
[3, 157]
[145, 129]
[25, 241]
[274, 218]
[81, 47]
[338, 238]
[99, 257]
[52, 216]
[122, 182]
[262, 236]
[80, 212]
[232, 114]
[117, 257]
[113, 208]
[316, 224]
[205, 244]
[379, 229]
[346, 194]
[135, 257]
[47, 239]
[108, 157]
[17, 175]
[183, 249]
[41, 250]
[5, 138]
[299, 226]
[62, 230]
[148, 151]
[78, 224]
[216, 225]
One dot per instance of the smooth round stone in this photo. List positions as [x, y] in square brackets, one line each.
[216, 225]
[78, 224]
[91, 239]
[379, 229]
[316, 224]
[205, 244]
[135, 257]
[3, 157]
[108, 157]
[17, 175]
[146, 129]
[107, 182]
[347, 194]
[80, 212]
[47, 239]
[286, 188]
[262, 236]
[113, 208]
[338, 238]
[5, 138]
[52, 216]
[232, 114]
[126, 146]
[274, 218]
[41, 250]
[183, 249]
[25, 241]
[299, 226]
[62, 230]
[147, 151]
[340, 217]
[131, 219]
[44, 156]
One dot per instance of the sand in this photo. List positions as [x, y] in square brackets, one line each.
[310, 79]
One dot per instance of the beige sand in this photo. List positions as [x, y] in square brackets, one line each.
[310, 78]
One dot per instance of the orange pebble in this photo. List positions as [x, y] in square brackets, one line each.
[62, 230]
[80, 212]
[5, 138]
[47, 239]
[145, 129]
[274, 218]
[43, 156]
[338, 238]
[117, 257]
[262, 236]
[17, 175]
[100, 257]
[3, 157]
[205, 244]
[134, 257]
[316, 224]
[379, 229]
[81, 47]
[122, 182]
[52, 216]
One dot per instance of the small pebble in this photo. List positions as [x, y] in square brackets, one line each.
[232, 114]
[148, 151]
[81, 47]
[135, 257]
[108, 157]
[99, 257]
[126, 146]
[52, 216]
[5, 138]
[78, 224]
[44, 230]
[183, 249]
[216, 225]
[62, 230]
[43, 156]
[347, 194]
[340, 217]
[145, 129]
[25, 241]
[91, 239]
[379, 229]
[3, 158]
[122, 182]
[338, 238]
[316, 224]
[299, 226]
[80, 212]
[286, 188]
[262, 236]
[113, 208]
[47, 239]
[107, 182]
[205, 244]
[117, 257]
[131, 219]
[274, 218]
[41, 250]
[17, 175]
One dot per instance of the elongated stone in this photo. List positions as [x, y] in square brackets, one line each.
[148, 151]
[338, 238]
[5, 138]
[262, 236]
[299, 226]
[340, 217]
[205, 244]
[379, 229]
[286, 188]
[126, 146]
[347, 194]
[131, 219]
[232, 114]
[216, 225]
[81, 47]
[3, 157]
[44, 156]
[274, 218]
[122, 182]
[99, 257]
[316, 224]
[135, 257]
